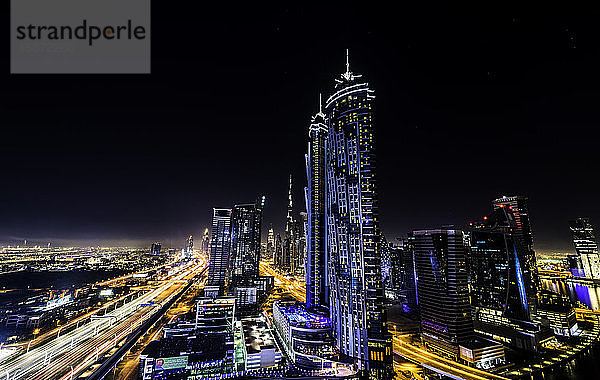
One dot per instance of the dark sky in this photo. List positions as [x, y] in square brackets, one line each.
[473, 102]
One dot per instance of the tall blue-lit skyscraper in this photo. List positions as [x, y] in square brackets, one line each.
[344, 134]
[502, 283]
[443, 290]
[523, 236]
[316, 261]
[220, 245]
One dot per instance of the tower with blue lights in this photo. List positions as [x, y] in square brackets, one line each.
[316, 262]
[220, 244]
[502, 278]
[442, 289]
[342, 149]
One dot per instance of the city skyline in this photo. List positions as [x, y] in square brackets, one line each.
[455, 86]
[306, 192]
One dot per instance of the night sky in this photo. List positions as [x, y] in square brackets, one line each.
[472, 103]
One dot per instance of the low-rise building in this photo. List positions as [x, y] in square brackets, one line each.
[556, 310]
[261, 350]
[482, 353]
[204, 355]
[306, 335]
[199, 344]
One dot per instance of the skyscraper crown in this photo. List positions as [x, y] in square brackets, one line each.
[347, 77]
[319, 117]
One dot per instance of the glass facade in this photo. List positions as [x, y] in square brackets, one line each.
[246, 223]
[220, 245]
[352, 227]
[442, 288]
[503, 287]
[586, 248]
[316, 261]
[305, 333]
[523, 240]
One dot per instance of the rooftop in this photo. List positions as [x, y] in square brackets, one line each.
[298, 316]
[257, 335]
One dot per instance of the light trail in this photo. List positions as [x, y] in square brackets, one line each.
[75, 351]
[438, 363]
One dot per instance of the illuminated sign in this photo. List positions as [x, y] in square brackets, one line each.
[215, 364]
[106, 292]
[466, 353]
[56, 302]
[173, 362]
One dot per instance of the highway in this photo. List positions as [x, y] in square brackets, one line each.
[68, 355]
[295, 287]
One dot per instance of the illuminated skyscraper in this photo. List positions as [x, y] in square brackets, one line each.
[316, 260]
[271, 242]
[220, 244]
[155, 248]
[442, 290]
[300, 258]
[586, 247]
[246, 221]
[503, 292]
[205, 242]
[189, 249]
[518, 206]
[523, 238]
[291, 259]
[289, 220]
[278, 252]
[344, 135]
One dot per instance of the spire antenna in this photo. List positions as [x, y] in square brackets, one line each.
[320, 103]
[290, 192]
[347, 60]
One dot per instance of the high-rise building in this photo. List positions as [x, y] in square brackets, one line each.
[317, 293]
[586, 247]
[289, 220]
[300, 258]
[443, 291]
[270, 243]
[386, 260]
[520, 210]
[400, 284]
[342, 148]
[155, 248]
[205, 246]
[503, 293]
[289, 248]
[220, 245]
[523, 237]
[291, 257]
[189, 248]
[278, 252]
[246, 221]
[287, 252]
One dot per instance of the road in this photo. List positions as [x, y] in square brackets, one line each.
[73, 352]
[439, 364]
[293, 286]
[37, 340]
[128, 366]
